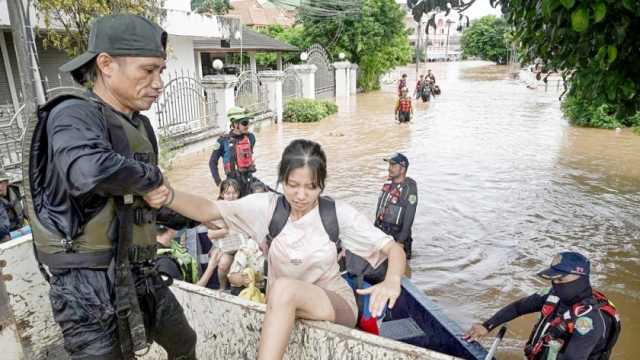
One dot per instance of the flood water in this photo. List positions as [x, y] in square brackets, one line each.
[504, 184]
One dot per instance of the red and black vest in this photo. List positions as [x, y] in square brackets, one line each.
[391, 205]
[560, 327]
[240, 154]
[404, 105]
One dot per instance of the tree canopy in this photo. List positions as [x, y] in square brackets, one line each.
[68, 22]
[486, 38]
[594, 44]
[375, 38]
[211, 7]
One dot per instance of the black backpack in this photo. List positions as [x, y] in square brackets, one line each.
[351, 263]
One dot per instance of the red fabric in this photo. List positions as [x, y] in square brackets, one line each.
[369, 325]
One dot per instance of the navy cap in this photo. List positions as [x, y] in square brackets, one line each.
[399, 159]
[566, 263]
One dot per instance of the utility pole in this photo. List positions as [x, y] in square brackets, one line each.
[24, 44]
[32, 91]
[419, 33]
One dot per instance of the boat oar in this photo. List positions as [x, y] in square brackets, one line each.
[496, 342]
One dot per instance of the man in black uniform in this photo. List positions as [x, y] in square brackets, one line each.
[92, 159]
[397, 203]
[576, 322]
[236, 151]
[12, 203]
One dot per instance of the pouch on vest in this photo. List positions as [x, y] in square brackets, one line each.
[393, 214]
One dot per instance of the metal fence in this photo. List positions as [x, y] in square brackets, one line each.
[12, 126]
[12, 131]
[251, 94]
[184, 106]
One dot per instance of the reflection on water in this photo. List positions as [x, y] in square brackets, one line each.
[504, 183]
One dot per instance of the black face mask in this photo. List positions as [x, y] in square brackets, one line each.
[572, 292]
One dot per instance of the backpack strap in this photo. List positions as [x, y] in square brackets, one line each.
[279, 219]
[329, 217]
[327, 208]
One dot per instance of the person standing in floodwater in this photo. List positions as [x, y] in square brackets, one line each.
[402, 84]
[576, 322]
[397, 203]
[236, 151]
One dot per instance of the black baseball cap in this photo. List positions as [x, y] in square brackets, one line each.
[566, 263]
[399, 159]
[121, 35]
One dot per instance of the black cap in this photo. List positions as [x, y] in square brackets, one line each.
[122, 35]
[399, 159]
[566, 263]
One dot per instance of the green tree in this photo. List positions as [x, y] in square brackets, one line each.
[594, 44]
[375, 37]
[293, 35]
[68, 22]
[486, 38]
[211, 7]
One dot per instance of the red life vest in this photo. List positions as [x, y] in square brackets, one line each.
[241, 155]
[562, 326]
[404, 105]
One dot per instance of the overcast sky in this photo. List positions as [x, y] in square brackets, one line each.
[481, 8]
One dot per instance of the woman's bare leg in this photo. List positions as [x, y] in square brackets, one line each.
[287, 300]
[223, 269]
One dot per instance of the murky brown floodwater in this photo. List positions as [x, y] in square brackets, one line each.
[504, 183]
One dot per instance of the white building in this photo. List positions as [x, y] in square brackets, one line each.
[442, 43]
[183, 26]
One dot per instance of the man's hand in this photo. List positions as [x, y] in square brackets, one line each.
[476, 332]
[158, 197]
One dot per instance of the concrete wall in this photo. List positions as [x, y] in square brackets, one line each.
[228, 327]
[181, 56]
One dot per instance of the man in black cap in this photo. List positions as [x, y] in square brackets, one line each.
[576, 322]
[397, 203]
[92, 159]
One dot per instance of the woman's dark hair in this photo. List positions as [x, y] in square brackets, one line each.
[226, 184]
[300, 153]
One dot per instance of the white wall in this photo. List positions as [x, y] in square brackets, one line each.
[181, 56]
[184, 5]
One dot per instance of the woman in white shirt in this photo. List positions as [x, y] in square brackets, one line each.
[304, 278]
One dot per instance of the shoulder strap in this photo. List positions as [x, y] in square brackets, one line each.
[279, 218]
[327, 208]
[151, 135]
[329, 218]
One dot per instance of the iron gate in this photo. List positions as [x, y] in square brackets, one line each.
[185, 107]
[251, 94]
[291, 85]
[325, 73]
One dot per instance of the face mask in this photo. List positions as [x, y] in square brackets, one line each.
[574, 291]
